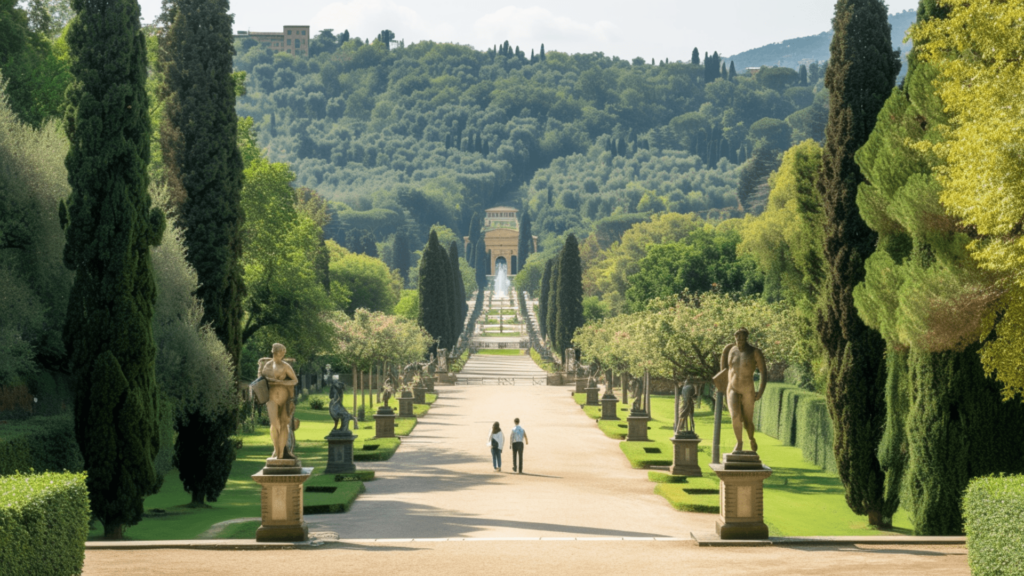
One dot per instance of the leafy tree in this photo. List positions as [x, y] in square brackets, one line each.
[861, 74]
[408, 305]
[976, 49]
[435, 294]
[570, 293]
[754, 176]
[34, 66]
[203, 163]
[367, 281]
[110, 225]
[525, 247]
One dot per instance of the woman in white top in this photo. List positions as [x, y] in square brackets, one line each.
[496, 441]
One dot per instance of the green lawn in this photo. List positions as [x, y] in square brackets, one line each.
[800, 499]
[500, 352]
[168, 516]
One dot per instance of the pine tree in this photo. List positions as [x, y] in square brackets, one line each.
[109, 226]
[525, 247]
[545, 293]
[400, 254]
[695, 57]
[458, 291]
[204, 166]
[434, 292]
[570, 293]
[552, 308]
[861, 75]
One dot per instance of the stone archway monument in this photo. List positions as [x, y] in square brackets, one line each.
[501, 235]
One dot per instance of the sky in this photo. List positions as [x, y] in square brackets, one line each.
[646, 28]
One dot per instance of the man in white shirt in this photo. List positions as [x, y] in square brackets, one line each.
[518, 439]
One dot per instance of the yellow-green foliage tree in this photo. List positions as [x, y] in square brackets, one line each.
[978, 50]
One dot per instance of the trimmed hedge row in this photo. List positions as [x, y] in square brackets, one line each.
[994, 522]
[797, 417]
[42, 443]
[44, 521]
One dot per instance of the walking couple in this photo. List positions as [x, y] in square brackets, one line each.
[497, 442]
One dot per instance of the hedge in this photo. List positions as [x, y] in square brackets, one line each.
[44, 521]
[994, 522]
[797, 417]
[42, 443]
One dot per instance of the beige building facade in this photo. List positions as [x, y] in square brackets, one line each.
[501, 236]
[291, 40]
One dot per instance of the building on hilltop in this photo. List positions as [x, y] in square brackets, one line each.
[291, 40]
[501, 236]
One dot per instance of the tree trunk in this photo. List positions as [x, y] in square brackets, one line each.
[198, 500]
[113, 532]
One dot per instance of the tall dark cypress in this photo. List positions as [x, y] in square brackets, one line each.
[525, 247]
[695, 57]
[435, 296]
[109, 226]
[542, 304]
[570, 293]
[732, 70]
[552, 309]
[204, 166]
[458, 291]
[481, 263]
[861, 75]
[400, 254]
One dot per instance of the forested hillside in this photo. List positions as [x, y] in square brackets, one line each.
[412, 136]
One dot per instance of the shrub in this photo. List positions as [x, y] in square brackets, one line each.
[44, 522]
[798, 417]
[316, 402]
[994, 522]
[42, 443]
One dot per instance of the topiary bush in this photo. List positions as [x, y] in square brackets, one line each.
[42, 443]
[798, 417]
[994, 522]
[316, 402]
[44, 521]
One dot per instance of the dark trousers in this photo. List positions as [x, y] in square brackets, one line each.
[517, 456]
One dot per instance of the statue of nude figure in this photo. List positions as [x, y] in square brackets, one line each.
[281, 406]
[741, 359]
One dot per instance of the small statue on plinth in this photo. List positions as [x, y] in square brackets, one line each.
[389, 391]
[281, 402]
[684, 419]
[442, 361]
[738, 363]
[636, 389]
[337, 409]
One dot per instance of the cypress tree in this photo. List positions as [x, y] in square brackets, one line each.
[435, 301]
[400, 254]
[458, 291]
[732, 70]
[369, 245]
[552, 309]
[480, 254]
[695, 57]
[928, 456]
[570, 293]
[803, 75]
[525, 247]
[204, 166]
[542, 304]
[109, 227]
[861, 75]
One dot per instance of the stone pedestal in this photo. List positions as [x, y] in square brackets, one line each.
[580, 383]
[339, 452]
[427, 382]
[445, 380]
[405, 405]
[385, 422]
[741, 497]
[592, 396]
[419, 394]
[609, 404]
[554, 379]
[281, 501]
[637, 431]
[684, 455]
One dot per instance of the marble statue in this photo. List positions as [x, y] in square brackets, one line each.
[738, 363]
[636, 389]
[281, 403]
[337, 408]
[684, 422]
[442, 361]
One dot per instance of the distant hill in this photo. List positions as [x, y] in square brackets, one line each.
[794, 52]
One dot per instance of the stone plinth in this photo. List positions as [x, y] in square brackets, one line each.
[419, 394]
[592, 393]
[427, 382]
[554, 379]
[741, 497]
[609, 404]
[281, 501]
[580, 383]
[405, 405]
[385, 422]
[637, 431]
[339, 452]
[684, 455]
[444, 380]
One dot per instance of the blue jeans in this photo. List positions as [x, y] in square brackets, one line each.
[496, 457]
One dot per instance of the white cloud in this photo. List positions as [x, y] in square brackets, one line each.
[534, 25]
[366, 18]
